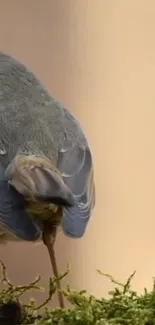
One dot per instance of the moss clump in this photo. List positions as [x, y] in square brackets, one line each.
[124, 306]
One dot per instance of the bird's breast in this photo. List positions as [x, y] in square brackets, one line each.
[43, 211]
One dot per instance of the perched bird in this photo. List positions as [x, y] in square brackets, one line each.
[46, 167]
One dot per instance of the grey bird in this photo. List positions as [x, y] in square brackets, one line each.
[45, 159]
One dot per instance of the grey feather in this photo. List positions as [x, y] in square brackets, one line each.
[76, 166]
[32, 121]
[13, 218]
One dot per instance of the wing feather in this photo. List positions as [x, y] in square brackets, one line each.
[76, 166]
[13, 217]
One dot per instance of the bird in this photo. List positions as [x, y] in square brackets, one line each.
[46, 164]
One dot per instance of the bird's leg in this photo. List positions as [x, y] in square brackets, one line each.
[49, 237]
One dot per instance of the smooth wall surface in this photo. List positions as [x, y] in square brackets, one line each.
[98, 58]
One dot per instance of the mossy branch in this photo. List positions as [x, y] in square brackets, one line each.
[123, 307]
[12, 292]
[53, 283]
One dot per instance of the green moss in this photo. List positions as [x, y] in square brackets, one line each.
[124, 306]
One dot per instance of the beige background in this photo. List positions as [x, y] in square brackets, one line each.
[98, 58]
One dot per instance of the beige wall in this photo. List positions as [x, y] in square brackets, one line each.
[98, 58]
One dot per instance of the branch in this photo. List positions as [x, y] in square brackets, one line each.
[53, 284]
[125, 286]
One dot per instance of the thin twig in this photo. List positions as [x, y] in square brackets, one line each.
[53, 285]
[125, 286]
[49, 237]
[111, 278]
[18, 290]
[56, 274]
[4, 274]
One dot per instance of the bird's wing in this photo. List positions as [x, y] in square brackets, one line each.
[77, 168]
[13, 217]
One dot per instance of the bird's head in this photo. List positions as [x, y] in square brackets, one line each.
[41, 184]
